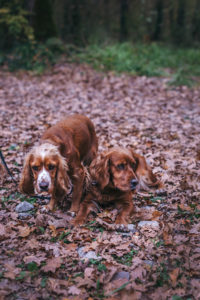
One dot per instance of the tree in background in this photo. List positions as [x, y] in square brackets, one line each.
[43, 23]
[84, 22]
[14, 26]
[123, 20]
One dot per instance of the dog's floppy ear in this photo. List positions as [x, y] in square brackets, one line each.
[26, 181]
[99, 170]
[147, 179]
[62, 183]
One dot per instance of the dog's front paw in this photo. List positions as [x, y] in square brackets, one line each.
[77, 221]
[71, 213]
[120, 227]
[121, 221]
[47, 208]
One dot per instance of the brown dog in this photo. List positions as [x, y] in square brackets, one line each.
[115, 175]
[55, 166]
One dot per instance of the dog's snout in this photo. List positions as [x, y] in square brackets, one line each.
[134, 183]
[44, 186]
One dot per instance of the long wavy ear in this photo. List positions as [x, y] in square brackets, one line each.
[99, 170]
[62, 182]
[26, 181]
[147, 179]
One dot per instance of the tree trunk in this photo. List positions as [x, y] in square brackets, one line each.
[123, 20]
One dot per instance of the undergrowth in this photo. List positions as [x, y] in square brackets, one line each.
[33, 56]
[180, 65]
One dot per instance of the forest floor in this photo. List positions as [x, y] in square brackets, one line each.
[41, 257]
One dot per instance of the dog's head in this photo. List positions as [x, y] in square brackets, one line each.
[45, 172]
[122, 169]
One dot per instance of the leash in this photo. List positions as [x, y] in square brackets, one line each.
[7, 169]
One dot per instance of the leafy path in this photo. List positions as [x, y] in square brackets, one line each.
[41, 257]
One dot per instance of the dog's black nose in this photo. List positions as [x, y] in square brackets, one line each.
[134, 183]
[44, 186]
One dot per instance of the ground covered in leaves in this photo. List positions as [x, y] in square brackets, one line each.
[158, 256]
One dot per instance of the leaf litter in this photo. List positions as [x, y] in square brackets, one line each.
[42, 257]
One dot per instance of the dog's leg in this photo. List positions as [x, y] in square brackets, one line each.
[51, 205]
[77, 190]
[127, 208]
[84, 210]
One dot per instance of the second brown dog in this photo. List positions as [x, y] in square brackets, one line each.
[114, 176]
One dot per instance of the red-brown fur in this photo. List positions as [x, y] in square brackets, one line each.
[111, 183]
[62, 150]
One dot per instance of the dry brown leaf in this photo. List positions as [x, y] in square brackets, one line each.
[156, 215]
[54, 232]
[174, 275]
[52, 265]
[73, 290]
[2, 231]
[32, 258]
[158, 122]
[24, 231]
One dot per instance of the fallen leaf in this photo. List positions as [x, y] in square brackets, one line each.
[73, 290]
[24, 231]
[174, 275]
[52, 265]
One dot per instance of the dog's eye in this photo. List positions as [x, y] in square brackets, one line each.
[51, 167]
[121, 166]
[35, 168]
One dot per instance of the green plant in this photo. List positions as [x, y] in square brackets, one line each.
[14, 26]
[119, 288]
[42, 229]
[94, 226]
[43, 282]
[32, 266]
[176, 297]
[32, 56]
[190, 215]
[156, 199]
[99, 292]
[179, 64]
[126, 259]
[81, 274]
[100, 266]
[63, 235]
[21, 275]
[163, 276]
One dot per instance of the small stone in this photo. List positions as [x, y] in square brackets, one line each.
[149, 262]
[131, 227]
[153, 224]
[135, 247]
[87, 255]
[41, 220]
[24, 215]
[23, 207]
[148, 208]
[121, 275]
[125, 234]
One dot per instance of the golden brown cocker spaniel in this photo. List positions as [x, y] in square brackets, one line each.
[55, 166]
[114, 176]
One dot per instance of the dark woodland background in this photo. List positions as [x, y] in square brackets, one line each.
[82, 22]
